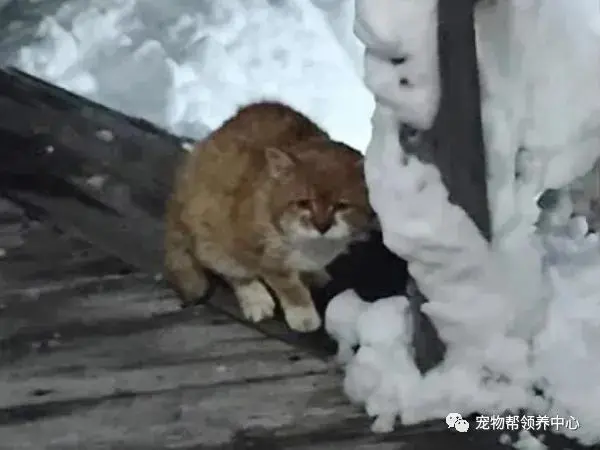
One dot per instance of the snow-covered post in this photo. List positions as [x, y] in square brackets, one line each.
[488, 291]
[421, 64]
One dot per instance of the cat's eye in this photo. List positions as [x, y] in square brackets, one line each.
[303, 203]
[342, 205]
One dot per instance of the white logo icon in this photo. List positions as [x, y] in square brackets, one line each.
[455, 420]
[461, 425]
[452, 418]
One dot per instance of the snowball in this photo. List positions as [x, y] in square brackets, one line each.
[401, 60]
[341, 322]
[410, 92]
[363, 374]
[577, 227]
[385, 322]
[400, 378]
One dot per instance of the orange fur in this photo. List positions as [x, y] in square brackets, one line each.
[265, 199]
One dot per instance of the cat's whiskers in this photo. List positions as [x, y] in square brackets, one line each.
[299, 231]
[309, 250]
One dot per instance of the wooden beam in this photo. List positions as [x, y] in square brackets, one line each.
[454, 145]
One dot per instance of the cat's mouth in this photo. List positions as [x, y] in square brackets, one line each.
[338, 231]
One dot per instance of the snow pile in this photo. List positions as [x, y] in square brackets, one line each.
[188, 66]
[447, 256]
[519, 314]
[567, 351]
[527, 441]
[564, 359]
[382, 329]
[540, 62]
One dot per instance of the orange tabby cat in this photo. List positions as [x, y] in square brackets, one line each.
[266, 198]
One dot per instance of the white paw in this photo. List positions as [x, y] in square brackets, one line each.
[384, 423]
[302, 318]
[255, 300]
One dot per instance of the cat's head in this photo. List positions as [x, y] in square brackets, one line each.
[319, 191]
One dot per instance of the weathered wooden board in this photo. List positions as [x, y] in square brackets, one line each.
[105, 359]
[106, 177]
[101, 175]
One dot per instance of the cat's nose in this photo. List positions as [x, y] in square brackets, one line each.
[323, 227]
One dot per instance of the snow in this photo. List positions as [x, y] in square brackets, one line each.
[518, 314]
[379, 25]
[521, 313]
[341, 322]
[564, 358]
[440, 236]
[188, 66]
[527, 441]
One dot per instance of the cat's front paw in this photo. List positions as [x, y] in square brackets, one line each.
[256, 302]
[302, 318]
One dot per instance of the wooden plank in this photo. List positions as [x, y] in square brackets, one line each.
[111, 192]
[108, 339]
[87, 137]
[12, 221]
[143, 250]
[104, 360]
[120, 348]
[136, 238]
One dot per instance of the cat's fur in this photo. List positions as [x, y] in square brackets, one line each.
[266, 198]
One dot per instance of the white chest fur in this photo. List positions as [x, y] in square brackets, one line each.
[314, 254]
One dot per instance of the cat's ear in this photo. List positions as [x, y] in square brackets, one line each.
[278, 162]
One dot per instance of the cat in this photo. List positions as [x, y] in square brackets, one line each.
[267, 198]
